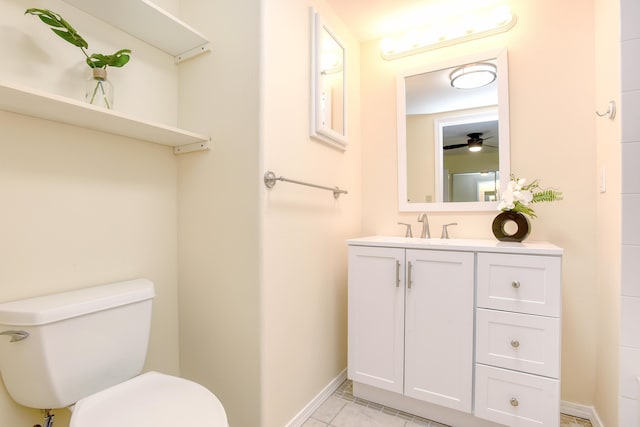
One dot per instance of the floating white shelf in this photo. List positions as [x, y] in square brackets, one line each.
[57, 108]
[146, 21]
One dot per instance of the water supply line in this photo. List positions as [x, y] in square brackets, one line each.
[48, 419]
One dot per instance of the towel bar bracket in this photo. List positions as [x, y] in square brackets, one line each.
[270, 179]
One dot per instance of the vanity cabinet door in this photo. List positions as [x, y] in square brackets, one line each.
[439, 327]
[376, 316]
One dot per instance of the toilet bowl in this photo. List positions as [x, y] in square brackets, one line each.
[150, 399]
[85, 349]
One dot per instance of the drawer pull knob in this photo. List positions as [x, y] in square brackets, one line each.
[514, 401]
[515, 284]
[515, 343]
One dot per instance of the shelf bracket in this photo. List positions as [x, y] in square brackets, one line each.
[196, 146]
[192, 52]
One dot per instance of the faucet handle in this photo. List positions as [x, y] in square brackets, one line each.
[408, 233]
[445, 230]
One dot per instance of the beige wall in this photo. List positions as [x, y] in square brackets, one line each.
[218, 209]
[263, 272]
[304, 256]
[552, 101]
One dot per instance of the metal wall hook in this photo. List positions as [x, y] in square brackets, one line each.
[611, 111]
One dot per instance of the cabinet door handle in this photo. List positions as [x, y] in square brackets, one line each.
[515, 284]
[514, 401]
[397, 274]
[515, 343]
[409, 275]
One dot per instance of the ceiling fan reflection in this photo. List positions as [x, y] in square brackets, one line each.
[474, 143]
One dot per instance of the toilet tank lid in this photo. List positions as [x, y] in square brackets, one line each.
[64, 305]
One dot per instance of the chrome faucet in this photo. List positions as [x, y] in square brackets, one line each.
[425, 234]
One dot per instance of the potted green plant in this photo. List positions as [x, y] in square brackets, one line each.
[99, 90]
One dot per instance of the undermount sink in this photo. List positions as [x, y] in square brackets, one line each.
[488, 245]
[426, 242]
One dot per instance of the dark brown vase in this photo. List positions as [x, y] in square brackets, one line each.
[504, 218]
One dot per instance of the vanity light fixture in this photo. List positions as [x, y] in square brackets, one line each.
[475, 25]
[472, 76]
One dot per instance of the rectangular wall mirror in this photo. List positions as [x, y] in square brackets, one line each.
[328, 85]
[453, 142]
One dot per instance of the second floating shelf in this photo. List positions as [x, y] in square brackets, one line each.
[31, 102]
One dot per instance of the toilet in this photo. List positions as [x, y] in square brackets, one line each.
[85, 350]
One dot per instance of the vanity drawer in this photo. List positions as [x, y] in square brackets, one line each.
[516, 399]
[520, 283]
[522, 342]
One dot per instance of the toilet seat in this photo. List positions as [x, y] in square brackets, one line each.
[150, 400]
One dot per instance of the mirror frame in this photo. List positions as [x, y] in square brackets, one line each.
[317, 130]
[503, 133]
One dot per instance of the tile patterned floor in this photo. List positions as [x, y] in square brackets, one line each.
[342, 409]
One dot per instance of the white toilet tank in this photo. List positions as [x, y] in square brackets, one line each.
[79, 342]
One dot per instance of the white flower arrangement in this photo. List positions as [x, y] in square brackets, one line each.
[519, 195]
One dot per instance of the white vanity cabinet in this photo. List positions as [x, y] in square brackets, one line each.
[464, 332]
[411, 323]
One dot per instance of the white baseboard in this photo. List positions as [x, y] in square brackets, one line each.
[581, 411]
[315, 403]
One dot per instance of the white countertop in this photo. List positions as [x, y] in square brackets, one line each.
[465, 245]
